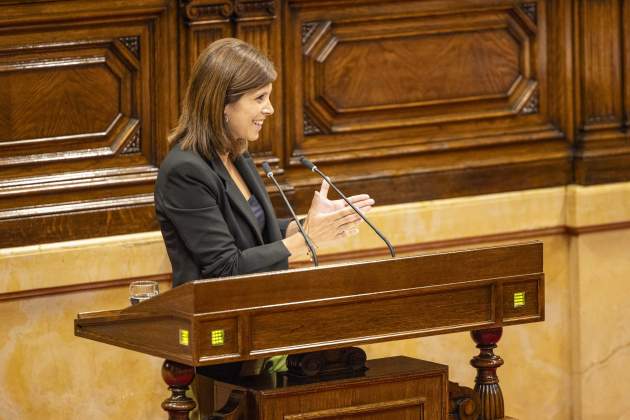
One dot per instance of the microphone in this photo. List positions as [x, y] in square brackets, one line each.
[310, 165]
[308, 241]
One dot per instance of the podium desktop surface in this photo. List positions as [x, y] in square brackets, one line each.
[249, 317]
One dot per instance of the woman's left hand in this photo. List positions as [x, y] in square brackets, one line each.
[322, 204]
[329, 212]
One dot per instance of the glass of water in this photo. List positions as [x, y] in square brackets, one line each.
[142, 290]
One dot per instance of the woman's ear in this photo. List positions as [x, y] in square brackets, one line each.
[227, 110]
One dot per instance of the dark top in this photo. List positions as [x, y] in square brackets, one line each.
[208, 227]
[258, 211]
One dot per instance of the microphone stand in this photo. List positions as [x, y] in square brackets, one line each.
[308, 241]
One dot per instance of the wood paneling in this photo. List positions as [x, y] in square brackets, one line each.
[417, 100]
[603, 98]
[408, 100]
[83, 107]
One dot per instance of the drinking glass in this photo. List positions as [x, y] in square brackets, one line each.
[142, 290]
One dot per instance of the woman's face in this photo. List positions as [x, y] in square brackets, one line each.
[245, 117]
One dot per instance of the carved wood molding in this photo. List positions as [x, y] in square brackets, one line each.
[531, 10]
[308, 29]
[202, 10]
[133, 146]
[132, 43]
[254, 7]
[336, 99]
[309, 126]
[531, 107]
[197, 10]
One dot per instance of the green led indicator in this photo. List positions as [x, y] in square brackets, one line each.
[183, 337]
[217, 337]
[519, 299]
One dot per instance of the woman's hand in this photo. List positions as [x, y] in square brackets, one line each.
[328, 220]
[322, 204]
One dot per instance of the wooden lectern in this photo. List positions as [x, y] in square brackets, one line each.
[334, 307]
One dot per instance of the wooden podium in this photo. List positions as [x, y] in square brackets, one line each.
[241, 318]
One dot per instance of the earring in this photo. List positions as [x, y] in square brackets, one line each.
[226, 118]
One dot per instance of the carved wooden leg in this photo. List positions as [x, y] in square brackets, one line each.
[487, 382]
[177, 377]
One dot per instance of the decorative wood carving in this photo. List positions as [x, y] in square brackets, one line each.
[531, 107]
[198, 10]
[530, 10]
[178, 377]
[248, 7]
[133, 146]
[309, 126]
[487, 382]
[132, 43]
[308, 28]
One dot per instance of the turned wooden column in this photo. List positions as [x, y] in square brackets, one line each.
[487, 381]
[177, 377]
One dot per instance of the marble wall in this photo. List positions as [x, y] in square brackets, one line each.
[572, 366]
[600, 297]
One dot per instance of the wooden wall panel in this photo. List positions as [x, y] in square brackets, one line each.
[399, 90]
[83, 106]
[602, 70]
[408, 100]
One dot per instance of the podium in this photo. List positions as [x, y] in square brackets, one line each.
[332, 307]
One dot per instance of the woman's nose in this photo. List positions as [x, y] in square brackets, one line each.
[268, 109]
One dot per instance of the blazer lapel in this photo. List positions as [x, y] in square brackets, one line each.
[235, 195]
[248, 171]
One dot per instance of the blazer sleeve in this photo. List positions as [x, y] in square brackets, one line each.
[189, 201]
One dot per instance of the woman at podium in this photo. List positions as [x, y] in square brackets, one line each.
[214, 211]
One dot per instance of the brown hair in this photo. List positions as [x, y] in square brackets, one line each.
[225, 70]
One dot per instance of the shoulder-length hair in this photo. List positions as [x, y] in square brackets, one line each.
[225, 70]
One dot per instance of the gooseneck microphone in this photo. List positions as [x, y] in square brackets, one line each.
[310, 165]
[308, 241]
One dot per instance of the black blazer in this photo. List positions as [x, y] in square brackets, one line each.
[208, 227]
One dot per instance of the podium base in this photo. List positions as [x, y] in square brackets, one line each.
[391, 388]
